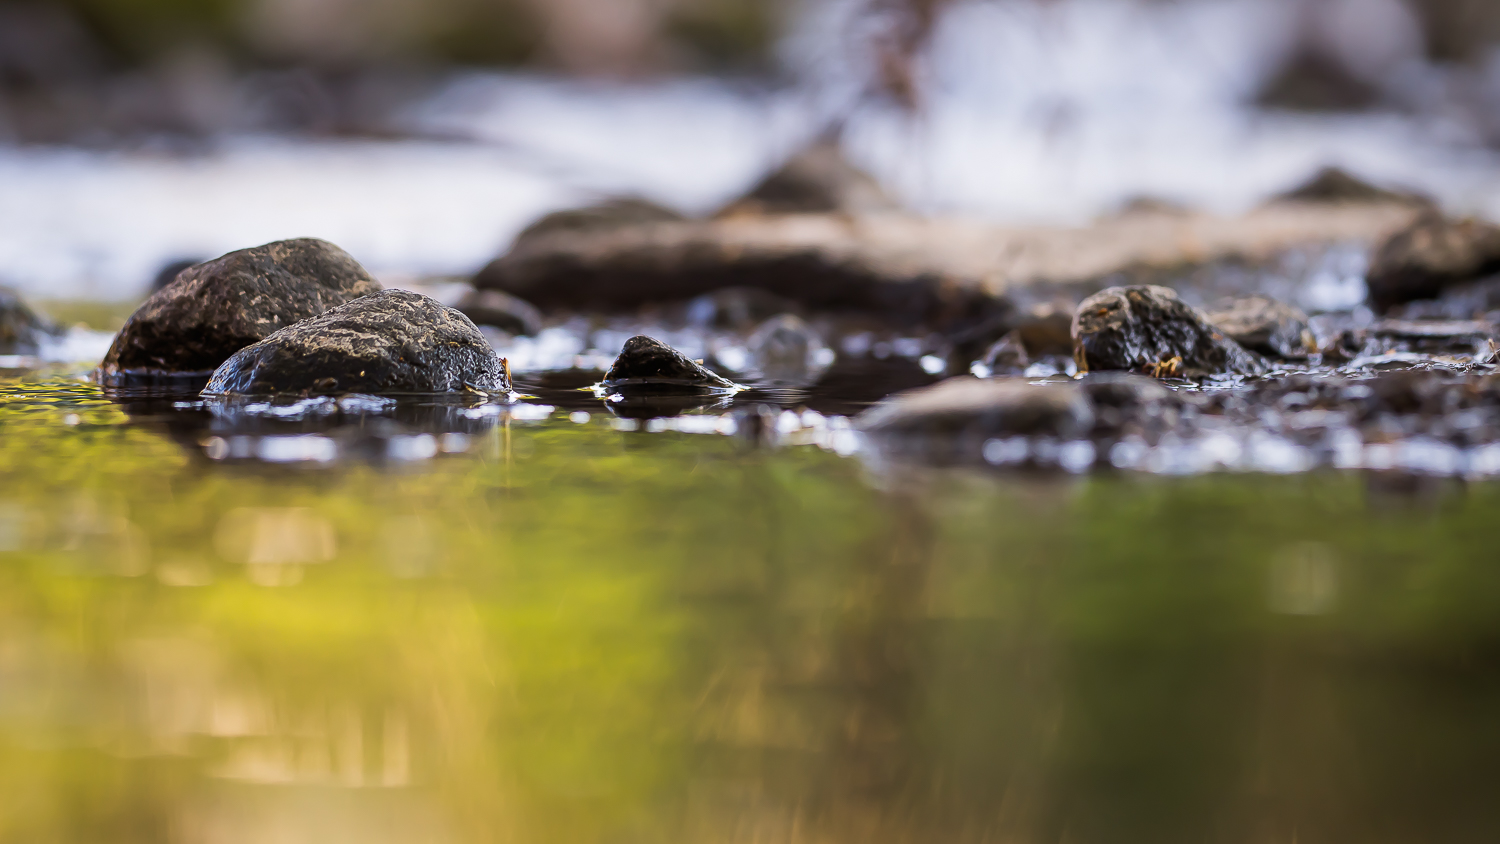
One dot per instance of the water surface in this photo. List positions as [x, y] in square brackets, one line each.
[536, 626]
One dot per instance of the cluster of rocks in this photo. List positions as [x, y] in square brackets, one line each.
[816, 258]
[300, 317]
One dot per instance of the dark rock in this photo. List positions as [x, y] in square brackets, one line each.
[610, 214]
[1147, 329]
[390, 342]
[1263, 325]
[1336, 186]
[21, 330]
[786, 351]
[214, 309]
[647, 365]
[168, 274]
[953, 419]
[1311, 80]
[508, 313]
[817, 180]
[1432, 254]
[1007, 356]
[737, 308]
[1433, 337]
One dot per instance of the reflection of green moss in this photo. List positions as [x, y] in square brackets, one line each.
[603, 636]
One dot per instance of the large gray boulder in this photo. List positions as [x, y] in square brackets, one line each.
[216, 308]
[390, 342]
[1147, 329]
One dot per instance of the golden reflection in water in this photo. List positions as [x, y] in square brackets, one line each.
[605, 636]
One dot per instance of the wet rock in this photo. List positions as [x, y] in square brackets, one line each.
[1047, 329]
[390, 342]
[961, 413]
[21, 330]
[214, 309]
[647, 365]
[817, 180]
[1434, 253]
[1336, 186]
[508, 313]
[1263, 325]
[1147, 329]
[737, 308]
[786, 351]
[1006, 357]
[610, 214]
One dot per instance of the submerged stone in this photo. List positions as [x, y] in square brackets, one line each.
[1263, 325]
[648, 365]
[216, 308]
[508, 313]
[391, 342]
[1431, 255]
[1147, 329]
[962, 412]
[21, 330]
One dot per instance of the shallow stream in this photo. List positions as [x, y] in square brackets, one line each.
[544, 622]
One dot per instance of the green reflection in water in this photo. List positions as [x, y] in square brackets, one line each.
[575, 634]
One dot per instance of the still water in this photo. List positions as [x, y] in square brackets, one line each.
[538, 626]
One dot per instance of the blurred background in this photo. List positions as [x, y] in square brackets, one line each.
[421, 135]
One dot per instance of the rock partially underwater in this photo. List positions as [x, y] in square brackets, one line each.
[388, 343]
[21, 330]
[500, 310]
[1147, 329]
[214, 309]
[647, 366]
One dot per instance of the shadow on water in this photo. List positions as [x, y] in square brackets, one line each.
[576, 630]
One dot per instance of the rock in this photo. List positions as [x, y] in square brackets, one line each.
[647, 365]
[610, 214]
[1434, 337]
[390, 342]
[1147, 329]
[955, 418]
[1336, 186]
[1263, 325]
[1434, 253]
[214, 309]
[786, 351]
[945, 274]
[817, 180]
[1007, 356]
[508, 313]
[21, 330]
[168, 273]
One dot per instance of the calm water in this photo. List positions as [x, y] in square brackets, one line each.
[564, 631]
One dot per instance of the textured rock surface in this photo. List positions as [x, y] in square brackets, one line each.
[216, 308]
[501, 310]
[1432, 254]
[1264, 325]
[391, 342]
[649, 365]
[21, 330]
[1147, 329]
